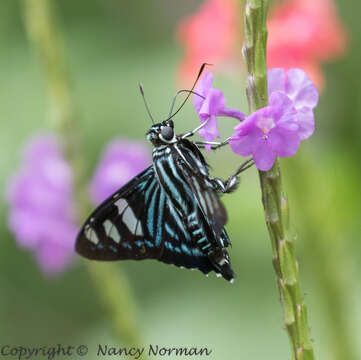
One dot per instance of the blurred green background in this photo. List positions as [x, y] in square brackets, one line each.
[110, 46]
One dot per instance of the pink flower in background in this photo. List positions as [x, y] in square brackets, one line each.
[211, 105]
[304, 33]
[268, 132]
[120, 162]
[301, 33]
[299, 88]
[209, 35]
[41, 205]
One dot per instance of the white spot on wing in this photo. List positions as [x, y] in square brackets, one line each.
[121, 204]
[112, 231]
[139, 231]
[91, 235]
[129, 219]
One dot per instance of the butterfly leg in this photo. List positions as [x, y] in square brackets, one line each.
[191, 133]
[231, 183]
[202, 144]
[227, 186]
[214, 144]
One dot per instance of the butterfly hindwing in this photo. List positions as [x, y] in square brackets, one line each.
[179, 247]
[196, 173]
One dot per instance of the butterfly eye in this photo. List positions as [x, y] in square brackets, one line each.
[167, 133]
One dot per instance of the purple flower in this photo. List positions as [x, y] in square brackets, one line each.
[211, 105]
[41, 208]
[299, 88]
[120, 161]
[269, 132]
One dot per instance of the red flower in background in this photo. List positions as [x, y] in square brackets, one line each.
[302, 33]
[209, 35]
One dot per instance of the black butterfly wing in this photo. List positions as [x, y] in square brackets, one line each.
[210, 203]
[138, 222]
[179, 248]
[116, 230]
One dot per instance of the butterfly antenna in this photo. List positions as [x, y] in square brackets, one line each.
[179, 92]
[190, 91]
[145, 102]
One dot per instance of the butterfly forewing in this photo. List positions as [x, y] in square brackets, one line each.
[120, 228]
[138, 222]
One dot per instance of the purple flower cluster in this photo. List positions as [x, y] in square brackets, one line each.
[275, 130]
[269, 132]
[41, 200]
[41, 205]
[300, 89]
[121, 160]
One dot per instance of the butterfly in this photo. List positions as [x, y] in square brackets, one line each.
[171, 211]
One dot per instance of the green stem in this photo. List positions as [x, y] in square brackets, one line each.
[274, 200]
[46, 38]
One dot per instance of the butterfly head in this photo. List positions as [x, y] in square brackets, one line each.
[162, 133]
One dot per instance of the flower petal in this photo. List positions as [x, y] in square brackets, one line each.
[280, 105]
[306, 122]
[203, 87]
[232, 113]
[249, 125]
[210, 130]
[296, 80]
[284, 142]
[276, 80]
[244, 145]
[213, 104]
[264, 156]
[307, 97]
[241, 145]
